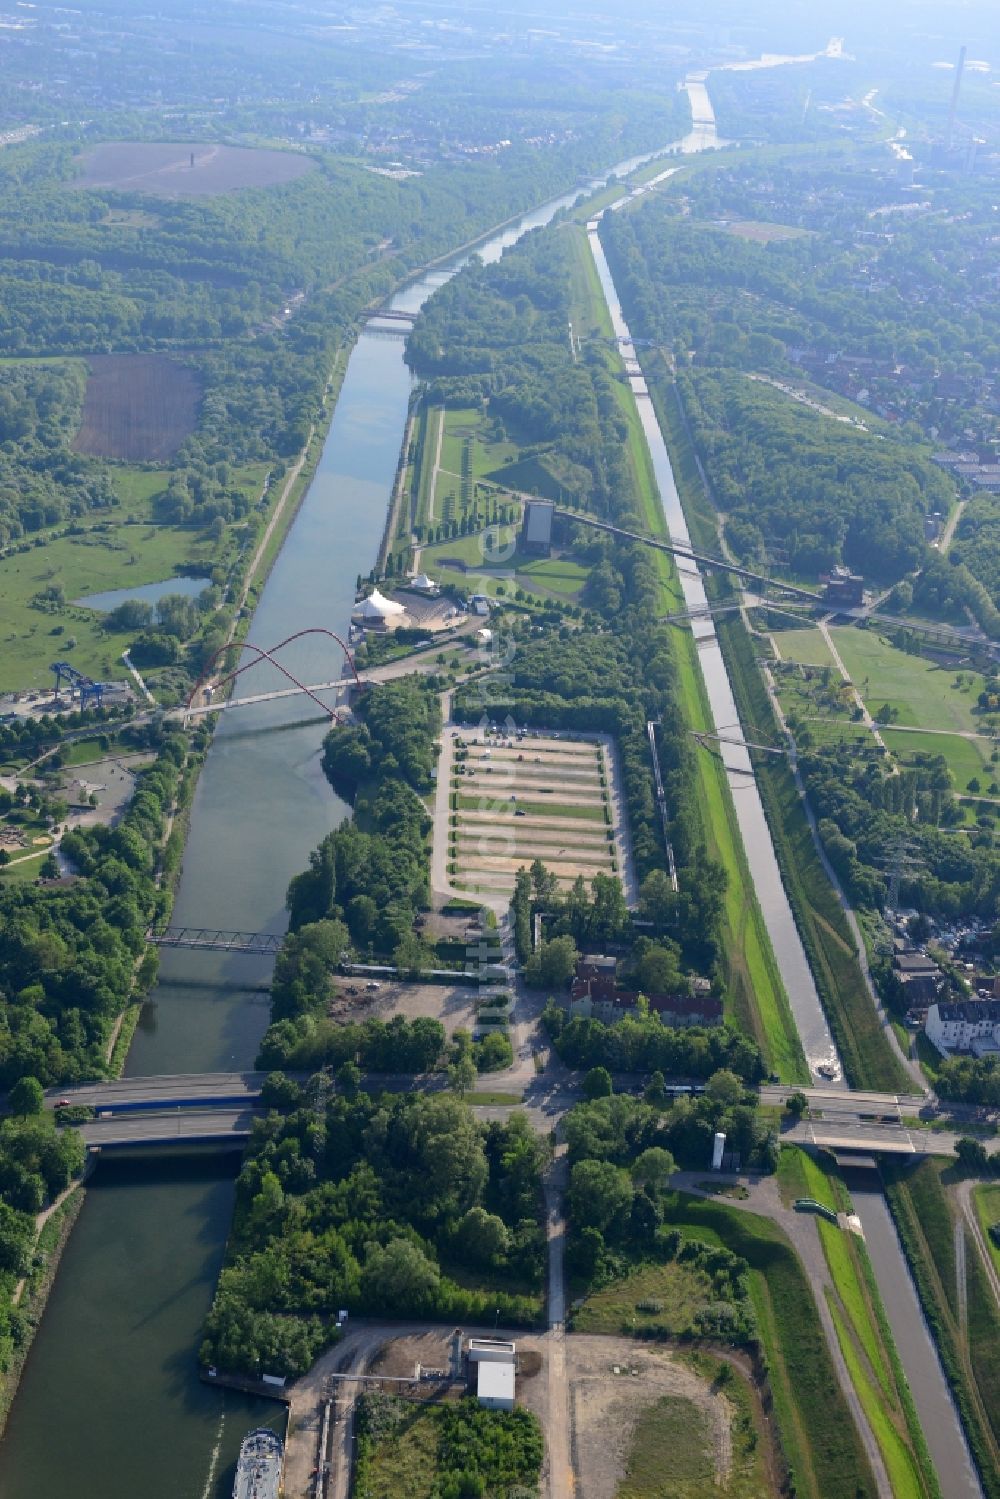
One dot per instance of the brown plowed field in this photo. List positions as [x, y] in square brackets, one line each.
[165, 170]
[139, 407]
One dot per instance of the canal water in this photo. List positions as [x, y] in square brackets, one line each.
[914, 1344]
[810, 1021]
[110, 1406]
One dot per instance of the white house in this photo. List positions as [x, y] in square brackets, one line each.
[971, 1024]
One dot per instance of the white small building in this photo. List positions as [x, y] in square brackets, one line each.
[484, 637]
[968, 1025]
[423, 584]
[493, 1362]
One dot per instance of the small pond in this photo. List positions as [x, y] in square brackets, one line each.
[151, 593]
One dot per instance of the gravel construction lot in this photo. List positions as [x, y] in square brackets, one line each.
[454, 1007]
[604, 1408]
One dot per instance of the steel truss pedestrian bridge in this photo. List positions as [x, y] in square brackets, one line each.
[207, 939]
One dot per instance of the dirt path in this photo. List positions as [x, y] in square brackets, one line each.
[557, 1422]
[964, 1194]
[960, 1277]
[947, 535]
[866, 718]
[276, 515]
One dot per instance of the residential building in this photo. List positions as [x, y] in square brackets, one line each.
[969, 1025]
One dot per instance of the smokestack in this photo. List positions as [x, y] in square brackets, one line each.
[954, 98]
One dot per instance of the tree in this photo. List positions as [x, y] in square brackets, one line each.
[597, 1083]
[349, 1079]
[653, 1168]
[972, 1154]
[552, 966]
[724, 1087]
[598, 1193]
[410, 956]
[462, 1075]
[27, 1097]
[796, 1104]
[280, 1092]
[482, 1236]
[399, 1278]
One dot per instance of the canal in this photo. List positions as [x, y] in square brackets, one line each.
[110, 1406]
[932, 1398]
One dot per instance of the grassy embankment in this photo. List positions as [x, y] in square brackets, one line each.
[822, 926]
[825, 1456]
[986, 1201]
[51, 1242]
[753, 979]
[969, 1345]
[863, 1331]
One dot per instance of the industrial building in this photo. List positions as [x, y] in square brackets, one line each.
[843, 588]
[490, 1364]
[536, 527]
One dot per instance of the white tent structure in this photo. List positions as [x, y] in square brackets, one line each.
[423, 584]
[378, 612]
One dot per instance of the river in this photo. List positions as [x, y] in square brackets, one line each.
[109, 1405]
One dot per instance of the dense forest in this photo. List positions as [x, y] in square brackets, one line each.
[70, 952]
[364, 886]
[829, 274]
[499, 333]
[366, 1204]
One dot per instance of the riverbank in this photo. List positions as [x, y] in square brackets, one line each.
[56, 1225]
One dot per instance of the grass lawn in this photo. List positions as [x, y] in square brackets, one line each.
[805, 646]
[801, 1175]
[966, 757]
[924, 694]
[672, 1437]
[987, 1203]
[629, 1305]
[24, 869]
[593, 813]
[120, 558]
[556, 574]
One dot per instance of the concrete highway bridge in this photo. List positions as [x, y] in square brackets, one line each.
[220, 1107]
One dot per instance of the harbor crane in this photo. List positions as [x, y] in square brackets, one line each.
[89, 690]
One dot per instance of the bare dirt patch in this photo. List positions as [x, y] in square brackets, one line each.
[453, 1005]
[764, 234]
[139, 407]
[166, 170]
[605, 1408]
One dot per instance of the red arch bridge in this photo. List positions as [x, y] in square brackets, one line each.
[211, 693]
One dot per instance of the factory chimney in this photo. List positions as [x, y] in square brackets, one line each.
[954, 99]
